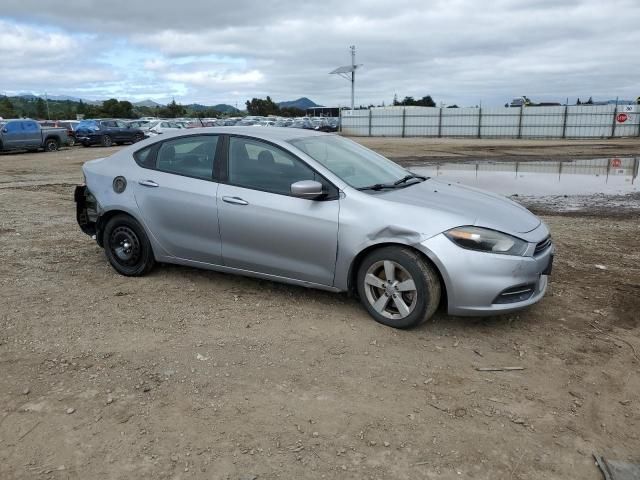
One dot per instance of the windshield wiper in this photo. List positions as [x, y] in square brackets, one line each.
[377, 186]
[409, 177]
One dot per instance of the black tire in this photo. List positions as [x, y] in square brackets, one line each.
[86, 144]
[107, 141]
[137, 138]
[71, 141]
[127, 247]
[393, 303]
[51, 145]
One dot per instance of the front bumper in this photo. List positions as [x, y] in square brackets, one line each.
[480, 284]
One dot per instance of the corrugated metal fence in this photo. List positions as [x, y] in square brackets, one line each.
[574, 121]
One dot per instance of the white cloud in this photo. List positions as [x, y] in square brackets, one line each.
[460, 51]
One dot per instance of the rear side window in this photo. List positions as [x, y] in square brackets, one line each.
[190, 156]
[30, 126]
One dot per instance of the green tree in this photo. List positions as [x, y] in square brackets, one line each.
[117, 109]
[6, 108]
[425, 101]
[172, 110]
[41, 109]
[258, 106]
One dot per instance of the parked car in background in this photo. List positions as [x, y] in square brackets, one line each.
[316, 210]
[141, 124]
[161, 126]
[27, 134]
[70, 125]
[107, 132]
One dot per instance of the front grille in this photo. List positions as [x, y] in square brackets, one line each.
[542, 246]
[516, 294]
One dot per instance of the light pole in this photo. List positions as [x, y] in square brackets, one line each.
[348, 72]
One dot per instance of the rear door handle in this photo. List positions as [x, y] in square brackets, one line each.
[235, 200]
[148, 183]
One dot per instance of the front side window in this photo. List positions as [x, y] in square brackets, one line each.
[260, 166]
[190, 156]
[121, 124]
[356, 165]
[30, 127]
[14, 127]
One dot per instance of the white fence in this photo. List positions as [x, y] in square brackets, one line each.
[575, 121]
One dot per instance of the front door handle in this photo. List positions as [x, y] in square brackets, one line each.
[148, 183]
[235, 200]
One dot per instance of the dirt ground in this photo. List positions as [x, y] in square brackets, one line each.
[188, 374]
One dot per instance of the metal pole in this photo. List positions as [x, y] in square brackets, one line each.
[353, 75]
[440, 123]
[479, 121]
[613, 124]
[404, 115]
[370, 114]
[520, 123]
[564, 122]
[46, 99]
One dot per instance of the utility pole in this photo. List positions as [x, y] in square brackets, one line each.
[353, 74]
[349, 69]
[46, 100]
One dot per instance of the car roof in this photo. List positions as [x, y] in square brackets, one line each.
[275, 133]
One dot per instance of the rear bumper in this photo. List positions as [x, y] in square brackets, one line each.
[481, 284]
[86, 210]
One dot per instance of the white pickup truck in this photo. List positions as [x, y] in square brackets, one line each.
[26, 134]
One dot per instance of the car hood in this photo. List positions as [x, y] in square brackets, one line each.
[471, 205]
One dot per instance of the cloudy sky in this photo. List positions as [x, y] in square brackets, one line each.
[458, 51]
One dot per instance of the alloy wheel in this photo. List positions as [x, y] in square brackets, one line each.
[390, 289]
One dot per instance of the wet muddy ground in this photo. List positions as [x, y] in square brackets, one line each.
[191, 374]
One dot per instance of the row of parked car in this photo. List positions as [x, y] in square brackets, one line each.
[49, 135]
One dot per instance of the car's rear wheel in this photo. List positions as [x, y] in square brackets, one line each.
[138, 138]
[107, 141]
[398, 287]
[71, 142]
[51, 145]
[127, 247]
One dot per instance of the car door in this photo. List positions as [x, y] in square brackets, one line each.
[124, 133]
[13, 135]
[263, 227]
[176, 194]
[32, 134]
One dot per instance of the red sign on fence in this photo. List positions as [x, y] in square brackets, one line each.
[622, 117]
[616, 163]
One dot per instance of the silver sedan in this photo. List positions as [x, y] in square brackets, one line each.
[316, 210]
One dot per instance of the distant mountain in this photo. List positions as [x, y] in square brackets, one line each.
[148, 103]
[221, 107]
[224, 108]
[302, 103]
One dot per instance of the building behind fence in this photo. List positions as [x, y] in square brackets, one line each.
[566, 121]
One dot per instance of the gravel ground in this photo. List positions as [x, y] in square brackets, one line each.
[193, 374]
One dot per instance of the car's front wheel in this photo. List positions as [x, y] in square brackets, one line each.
[127, 247]
[398, 287]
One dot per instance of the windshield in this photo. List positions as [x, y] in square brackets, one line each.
[356, 165]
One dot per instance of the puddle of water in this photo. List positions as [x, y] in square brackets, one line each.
[608, 176]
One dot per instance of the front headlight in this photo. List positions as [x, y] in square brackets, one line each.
[485, 240]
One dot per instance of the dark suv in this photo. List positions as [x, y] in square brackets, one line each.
[106, 132]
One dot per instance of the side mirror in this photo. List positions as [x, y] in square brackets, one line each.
[307, 189]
